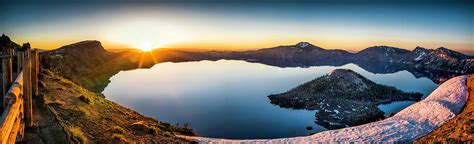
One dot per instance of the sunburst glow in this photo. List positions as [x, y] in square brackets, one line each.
[146, 46]
[146, 35]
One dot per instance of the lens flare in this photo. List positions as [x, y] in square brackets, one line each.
[146, 35]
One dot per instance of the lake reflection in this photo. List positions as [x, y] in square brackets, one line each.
[228, 98]
[394, 107]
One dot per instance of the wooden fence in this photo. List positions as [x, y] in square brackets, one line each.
[17, 96]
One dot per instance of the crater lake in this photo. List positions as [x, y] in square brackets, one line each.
[228, 98]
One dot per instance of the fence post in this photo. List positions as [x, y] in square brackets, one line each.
[19, 61]
[27, 89]
[7, 77]
[34, 72]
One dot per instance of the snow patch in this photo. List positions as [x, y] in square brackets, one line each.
[303, 44]
[420, 57]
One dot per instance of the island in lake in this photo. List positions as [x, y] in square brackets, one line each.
[342, 98]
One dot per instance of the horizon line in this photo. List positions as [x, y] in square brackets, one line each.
[259, 48]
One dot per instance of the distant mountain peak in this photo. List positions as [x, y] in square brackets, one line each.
[5, 42]
[446, 50]
[419, 47]
[5, 38]
[385, 50]
[88, 47]
[306, 45]
[303, 44]
[443, 48]
[382, 47]
[451, 53]
[87, 44]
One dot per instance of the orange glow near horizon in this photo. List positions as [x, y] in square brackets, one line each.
[146, 46]
[354, 45]
[145, 35]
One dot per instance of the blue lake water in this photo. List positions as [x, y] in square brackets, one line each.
[394, 107]
[228, 98]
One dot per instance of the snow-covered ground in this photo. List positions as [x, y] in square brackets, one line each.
[407, 125]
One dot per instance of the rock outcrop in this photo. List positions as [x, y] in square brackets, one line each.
[79, 62]
[5, 42]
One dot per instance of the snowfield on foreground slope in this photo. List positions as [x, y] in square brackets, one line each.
[407, 125]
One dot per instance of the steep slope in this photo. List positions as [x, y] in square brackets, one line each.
[76, 61]
[341, 99]
[89, 118]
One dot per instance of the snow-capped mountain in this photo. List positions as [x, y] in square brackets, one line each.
[440, 59]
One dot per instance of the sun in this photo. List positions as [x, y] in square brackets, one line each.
[146, 45]
[146, 35]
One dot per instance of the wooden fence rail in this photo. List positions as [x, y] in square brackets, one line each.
[12, 118]
[17, 101]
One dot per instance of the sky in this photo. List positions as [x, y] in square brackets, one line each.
[241, 24]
